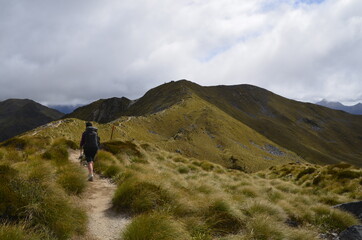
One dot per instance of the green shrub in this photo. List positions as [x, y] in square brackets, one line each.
[137, 196]
[72, 179]
[155, 226]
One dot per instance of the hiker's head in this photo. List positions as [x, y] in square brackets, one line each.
[88, 124]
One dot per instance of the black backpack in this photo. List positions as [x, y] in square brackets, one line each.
[91, 140]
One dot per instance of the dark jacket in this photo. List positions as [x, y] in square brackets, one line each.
[90, 131]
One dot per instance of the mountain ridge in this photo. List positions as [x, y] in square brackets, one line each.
[354, 109]
[20, 115]
[317, 134]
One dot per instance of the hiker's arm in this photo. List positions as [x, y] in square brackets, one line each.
[82, 141]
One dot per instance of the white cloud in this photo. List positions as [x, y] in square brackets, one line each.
[79, 51]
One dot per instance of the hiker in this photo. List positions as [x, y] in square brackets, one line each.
[90, 143]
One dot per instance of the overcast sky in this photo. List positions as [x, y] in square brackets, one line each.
[77, 51]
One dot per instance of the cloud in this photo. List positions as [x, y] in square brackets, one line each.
[79, 51]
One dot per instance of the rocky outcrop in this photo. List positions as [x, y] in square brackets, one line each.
[351, 233]
[353, 207]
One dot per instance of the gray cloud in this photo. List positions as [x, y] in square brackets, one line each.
[79, 51]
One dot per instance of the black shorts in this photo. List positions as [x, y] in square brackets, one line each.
[90, 153]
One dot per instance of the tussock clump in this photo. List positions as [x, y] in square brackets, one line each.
[249, 191]
[258, 207]
[59, 154]
[14, 155]
[221, 220]
[308, 170]
[207, 166]
[16, 143]
[116, 147]
[197, 228]
[183, 169]
[349, 174]
[29, 194]
[103, 160]
[262, 227]
[139, 196]
[27, 144]
[331, 219]
[341, 179]
[20, 232]
[180, 159]
[112, 171]
[66, 143]
[72, 179]
[155, 226]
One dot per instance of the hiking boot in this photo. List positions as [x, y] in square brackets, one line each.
[90, 178]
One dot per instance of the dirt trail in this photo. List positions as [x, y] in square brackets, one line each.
[103, 223]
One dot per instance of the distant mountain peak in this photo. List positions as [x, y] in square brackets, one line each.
[355, 109]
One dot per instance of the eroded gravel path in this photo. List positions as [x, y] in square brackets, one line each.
[104, 224]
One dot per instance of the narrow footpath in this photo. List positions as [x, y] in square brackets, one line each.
[103, 224]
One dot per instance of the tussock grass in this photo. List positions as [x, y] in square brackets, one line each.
[331, 219]
[26, 144]
[32, 193]
[203, 199]
[116, 147]
[20, 232]
[155, 226]
[58, 153]
[138, 196]
[218, 203]
[221, 220]
[72, 179]
[342, 179]
[252, 208]
[39, 203]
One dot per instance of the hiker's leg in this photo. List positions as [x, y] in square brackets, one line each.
[90, 168]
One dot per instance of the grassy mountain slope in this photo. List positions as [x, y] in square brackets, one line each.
[170, 196]
[193, 128]
[155, 100]
[20, 115]
[316, 133]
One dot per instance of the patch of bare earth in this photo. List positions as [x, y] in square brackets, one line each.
[104, 224]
